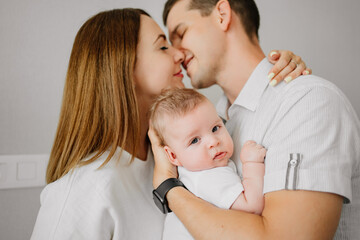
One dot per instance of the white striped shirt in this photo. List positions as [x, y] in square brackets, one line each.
[312, 135]
[114, 202]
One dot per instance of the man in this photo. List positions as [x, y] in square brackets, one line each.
[311, 132]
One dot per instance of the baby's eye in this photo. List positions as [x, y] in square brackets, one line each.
[195, 140]
[215, 128]
[164, 48]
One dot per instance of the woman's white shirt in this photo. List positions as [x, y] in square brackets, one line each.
[114, 202]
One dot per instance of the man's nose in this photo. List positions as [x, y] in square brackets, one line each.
[179, 56]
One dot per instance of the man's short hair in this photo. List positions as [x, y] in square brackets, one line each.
[245, 9]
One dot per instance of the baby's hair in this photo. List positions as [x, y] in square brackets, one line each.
[173, 103]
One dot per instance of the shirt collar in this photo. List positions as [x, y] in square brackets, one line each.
[222, 106]
[250, 95]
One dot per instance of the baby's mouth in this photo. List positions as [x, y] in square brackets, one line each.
[219, 155]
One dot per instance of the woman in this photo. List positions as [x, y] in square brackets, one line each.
[100, 170]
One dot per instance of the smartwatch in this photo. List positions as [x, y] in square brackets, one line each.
[159, 194]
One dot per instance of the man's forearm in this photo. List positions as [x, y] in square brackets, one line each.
[287, 215]
[205, 221]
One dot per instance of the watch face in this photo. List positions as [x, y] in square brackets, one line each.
[159, 202]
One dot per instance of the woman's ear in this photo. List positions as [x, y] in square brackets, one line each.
[172, 156]
[223, 14]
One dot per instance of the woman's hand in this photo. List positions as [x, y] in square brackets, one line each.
[163, 168]
[288, 66]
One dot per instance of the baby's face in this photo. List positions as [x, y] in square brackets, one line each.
[199, 139]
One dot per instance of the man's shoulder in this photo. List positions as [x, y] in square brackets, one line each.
[309, 83]
[310, 88]
[309, 98]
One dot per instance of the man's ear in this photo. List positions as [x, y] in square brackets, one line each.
[172, 156]
[223, 14]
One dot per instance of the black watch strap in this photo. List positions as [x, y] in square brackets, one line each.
[159, 194]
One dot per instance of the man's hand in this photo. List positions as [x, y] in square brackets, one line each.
[163, 168]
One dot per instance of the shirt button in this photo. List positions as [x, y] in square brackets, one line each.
[293, 162]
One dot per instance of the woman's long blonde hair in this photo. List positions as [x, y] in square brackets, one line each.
[99, 108]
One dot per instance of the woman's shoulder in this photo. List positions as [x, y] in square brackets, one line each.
[93, 175]
[100, 173]
[117, 175]
[116, 172]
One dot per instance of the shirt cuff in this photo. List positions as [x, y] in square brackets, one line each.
[311, 180]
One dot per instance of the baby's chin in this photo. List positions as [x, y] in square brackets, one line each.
[223, 163]
[220, 163]
[215, 164]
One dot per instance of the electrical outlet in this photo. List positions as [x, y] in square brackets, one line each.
[3, 172]
[22, 171]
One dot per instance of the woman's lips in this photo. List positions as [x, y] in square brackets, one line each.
[179, 74]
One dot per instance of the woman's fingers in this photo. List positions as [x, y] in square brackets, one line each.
[163, 168]
[288, 66]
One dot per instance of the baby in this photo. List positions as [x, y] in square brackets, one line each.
[195, 139]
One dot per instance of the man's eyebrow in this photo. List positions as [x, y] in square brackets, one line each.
[159, 37]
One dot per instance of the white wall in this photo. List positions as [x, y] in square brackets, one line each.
[326, 33]
[35, 44]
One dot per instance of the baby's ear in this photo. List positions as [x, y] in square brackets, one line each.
[172, 156]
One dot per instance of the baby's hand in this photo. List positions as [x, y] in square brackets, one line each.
[252, 152]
